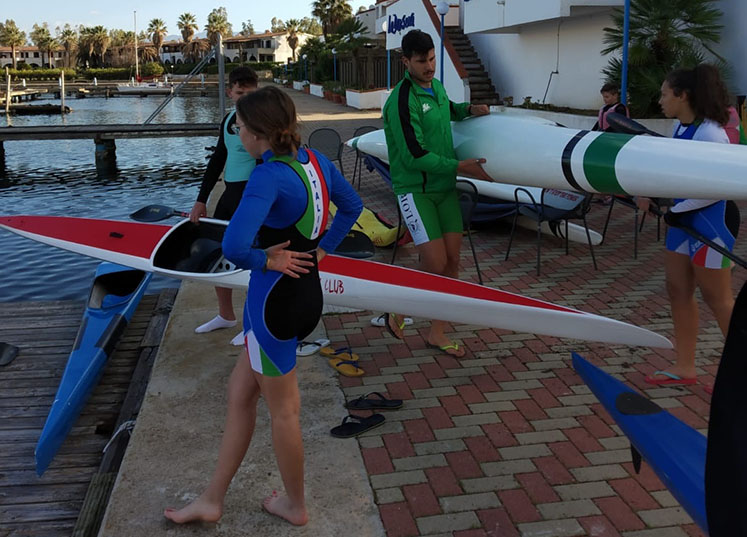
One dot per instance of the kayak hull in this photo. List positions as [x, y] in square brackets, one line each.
[522, 151]
[674, 450]
[115, 293]
[345, 282]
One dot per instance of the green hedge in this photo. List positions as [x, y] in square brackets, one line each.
[41, 74]
[109, 73]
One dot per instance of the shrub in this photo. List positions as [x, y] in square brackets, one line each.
[109, 73]
[152, 69]
[41, 74]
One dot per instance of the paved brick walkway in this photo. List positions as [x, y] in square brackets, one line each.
[508, 441]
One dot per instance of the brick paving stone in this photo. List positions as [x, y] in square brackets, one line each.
[397, 479]
[450, 522]
[524, 452]
[422, 500]
[397, 520]
[609, 457]
[552, 528]
[499, 435]
[556, 423]
[392, 495]
[537, 487]
[469, 502]
[476, 419]
[568, 454]
[521, 466]
[656, 532]
[519, 506]
[620, 513]
[507, 396]
[486, 484]
[497, 523]
[442, 446]
[419, 463]
[578, 491]
[377, 460]
[437, 418]
[464, 465]
[541, 437]
[668, 516]
[458, 432]
[553, 470]
[599, 472]
[634, 494]
[419, 431]
[598, 526]
[482, 449]
[665, 498]
[398, 445]
[443, 481]
[572, 508]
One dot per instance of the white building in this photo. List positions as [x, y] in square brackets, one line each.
[547, 50]
[266, 47]
[30, 56]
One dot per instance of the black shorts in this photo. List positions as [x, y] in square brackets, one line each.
[229, 201]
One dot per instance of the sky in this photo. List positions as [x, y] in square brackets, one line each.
[120, 14]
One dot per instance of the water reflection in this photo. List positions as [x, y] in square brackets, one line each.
[60, 177]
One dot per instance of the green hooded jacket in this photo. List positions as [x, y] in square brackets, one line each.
[418, 137]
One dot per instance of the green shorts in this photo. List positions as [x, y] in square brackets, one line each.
[429, 216]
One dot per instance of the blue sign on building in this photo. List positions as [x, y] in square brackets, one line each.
[396, 24]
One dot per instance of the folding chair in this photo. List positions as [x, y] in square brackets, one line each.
[628, 201]
[327, 141]
[542, 212]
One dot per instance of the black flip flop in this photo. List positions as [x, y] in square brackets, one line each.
[379, 402]
[8, 353]
[354, 425]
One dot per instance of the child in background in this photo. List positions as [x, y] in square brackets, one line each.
[611, 97]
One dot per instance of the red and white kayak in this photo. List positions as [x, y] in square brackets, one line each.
[191, 252]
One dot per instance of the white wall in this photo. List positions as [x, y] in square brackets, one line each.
[732, 44]
[520, 64]
[456, 88]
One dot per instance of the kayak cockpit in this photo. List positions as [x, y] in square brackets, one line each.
[194, 249]
[114, 288]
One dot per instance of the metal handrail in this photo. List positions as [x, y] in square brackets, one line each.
[197, 68]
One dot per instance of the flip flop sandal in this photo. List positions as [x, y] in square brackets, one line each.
[670, 380]
[346, 353]
[446, 348]
[8, 353]
[307, 348]
[347, 368]
[378, 401]
[387, 316]
[381, 322]
[354, 425]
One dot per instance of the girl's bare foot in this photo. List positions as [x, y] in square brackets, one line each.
[446, 345]
[281, 506]
[200, 510]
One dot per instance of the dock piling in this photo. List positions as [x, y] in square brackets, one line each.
[62, 91]
[106, 153]
[7, 90]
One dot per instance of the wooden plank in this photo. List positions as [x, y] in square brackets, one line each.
[160, 317]
[43, 493]
[53, 476]
[45, 512]
[70, 460]
[94, 505]
[52, 528]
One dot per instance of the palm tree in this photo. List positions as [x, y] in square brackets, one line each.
[148, 54]
[663, 37]
[99, 43]
[187, 25]
[195, 49]
[43, 40]
[217, 24]
[157, 31]
[291, 27]
[12, 36]
[68, 38]
[331, 13]
[350, 36]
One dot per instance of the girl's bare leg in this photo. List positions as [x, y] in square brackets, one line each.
[715, 284]
[225, 303]
[284, 402]
[680, 278]
[243, 393]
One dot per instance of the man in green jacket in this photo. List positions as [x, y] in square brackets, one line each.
[423, 167]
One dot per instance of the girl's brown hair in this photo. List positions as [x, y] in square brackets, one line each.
[706, 92]
[271, 114]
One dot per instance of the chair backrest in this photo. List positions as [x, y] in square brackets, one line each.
[468, 197]
[574, 208]
[327, 141]
[365, 129]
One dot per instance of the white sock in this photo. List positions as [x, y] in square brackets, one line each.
[214, 324]
[238, 339]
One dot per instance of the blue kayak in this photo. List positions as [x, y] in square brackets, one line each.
[115, 293]
[675, 451]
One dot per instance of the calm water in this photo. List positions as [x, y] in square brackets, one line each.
[59, 177]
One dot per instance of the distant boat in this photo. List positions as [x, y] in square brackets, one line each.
[145, 88]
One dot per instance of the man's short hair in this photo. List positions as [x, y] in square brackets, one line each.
[243, 76]
[610, 87]
[416, 42]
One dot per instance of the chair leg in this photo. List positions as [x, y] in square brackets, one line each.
[591, 247]
[658, 228]
[539, 244]
[342, 170]
[609, 214]
[635, 233]
[355, 169]
[511, 236]
[474, 256]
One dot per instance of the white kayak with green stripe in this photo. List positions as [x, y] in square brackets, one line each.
[525, 151]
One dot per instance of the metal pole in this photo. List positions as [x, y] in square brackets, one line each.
[334, 61]
[388, 69]
[62, 91]
[7, 90]
[442, 49]
[626, 39]
[137, 73]
[221, 77]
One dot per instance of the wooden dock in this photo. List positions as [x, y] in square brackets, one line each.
[107, 132]
[70, 497]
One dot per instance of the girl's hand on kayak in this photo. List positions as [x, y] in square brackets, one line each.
[320, 254]
[287, 261]
[199, 210]
[643, 203]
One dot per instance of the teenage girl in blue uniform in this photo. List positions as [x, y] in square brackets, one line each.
[277, 233]
[698, 99]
